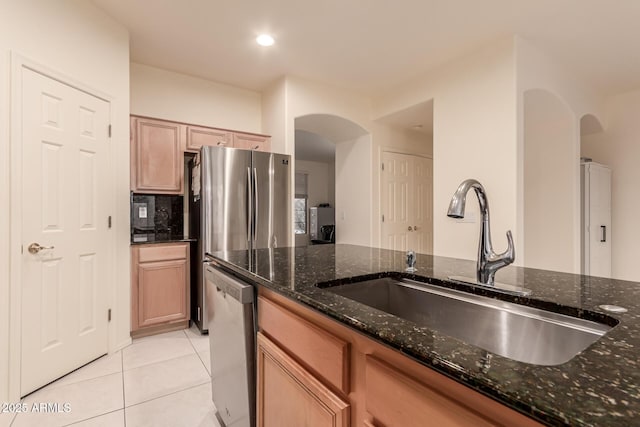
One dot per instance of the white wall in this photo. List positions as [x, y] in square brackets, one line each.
[274, 116]
[172, 96]
[619, 148]
[536, 70]
[474, 136]
[302, 98]
[354, 191]
[549, 217]
[77, 40]
[320, 188]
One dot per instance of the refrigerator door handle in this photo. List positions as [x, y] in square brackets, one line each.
[255, 206]
[249, 207]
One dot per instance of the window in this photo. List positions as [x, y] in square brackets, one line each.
[300, 204]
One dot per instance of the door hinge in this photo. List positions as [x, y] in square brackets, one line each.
[109, 315]
[109, 221]
[382, 218]
[109, 131]
[382, 166]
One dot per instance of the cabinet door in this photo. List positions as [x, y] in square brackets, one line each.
[397, 400]
[289, 396]
[251, 142]
[198, 136]
[161, 294]
[157, 164]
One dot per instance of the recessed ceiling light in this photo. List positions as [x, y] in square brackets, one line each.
[265, 40]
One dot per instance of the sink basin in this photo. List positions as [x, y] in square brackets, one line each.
[511, 330]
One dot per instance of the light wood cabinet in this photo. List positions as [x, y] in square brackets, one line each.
[385, 388]
[249, 141]
[159, 287]
[157, 164]
[290, 396]
[394, 399]
[197, 136]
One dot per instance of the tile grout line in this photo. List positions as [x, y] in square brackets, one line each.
[91, 418]
[168, 394]
[198, 354]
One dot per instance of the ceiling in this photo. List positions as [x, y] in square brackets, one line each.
[370, 46]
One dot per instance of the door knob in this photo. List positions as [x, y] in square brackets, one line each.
[34, 248]
[410, 229]
[415, 228]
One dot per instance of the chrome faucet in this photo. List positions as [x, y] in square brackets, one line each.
[488, 261]
[411, 262]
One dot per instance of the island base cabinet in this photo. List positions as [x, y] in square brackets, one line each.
[384, 387]
[289, 396]
[397, 400]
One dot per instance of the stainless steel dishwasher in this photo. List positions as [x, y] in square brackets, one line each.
[232, 335]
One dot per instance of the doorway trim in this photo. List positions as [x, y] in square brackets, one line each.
[17, 63]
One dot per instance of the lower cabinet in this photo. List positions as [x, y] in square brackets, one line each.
[290, 396]
[159, 287]
[314, 371]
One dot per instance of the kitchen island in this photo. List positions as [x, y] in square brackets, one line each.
[598, 387]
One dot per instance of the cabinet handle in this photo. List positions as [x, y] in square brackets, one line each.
[256, 147]
[415, 228]
[222, 142]
[603, 229]
[409, 228]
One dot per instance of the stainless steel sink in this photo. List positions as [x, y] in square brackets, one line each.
[518, 332]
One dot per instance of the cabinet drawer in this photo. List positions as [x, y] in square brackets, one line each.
[397, 400]
[162, 252]
[325, 355]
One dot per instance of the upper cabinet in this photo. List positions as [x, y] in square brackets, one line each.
[157, 164]
[249, 141]
[197, 136]
[158, 147]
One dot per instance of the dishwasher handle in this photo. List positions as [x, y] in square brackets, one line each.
[238, 290]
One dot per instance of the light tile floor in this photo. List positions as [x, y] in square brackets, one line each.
[162, 380]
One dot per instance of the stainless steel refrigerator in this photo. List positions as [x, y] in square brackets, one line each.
[244, 203]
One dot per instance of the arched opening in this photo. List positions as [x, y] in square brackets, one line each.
[332, 181]
[551, 183]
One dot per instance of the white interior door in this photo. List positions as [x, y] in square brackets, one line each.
[421, 237]
[406, 202]
[395, 197]
[599, 220]
[66, 193]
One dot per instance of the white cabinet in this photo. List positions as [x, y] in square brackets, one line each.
[596, 219]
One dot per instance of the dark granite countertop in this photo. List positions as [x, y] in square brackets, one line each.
[598, 387]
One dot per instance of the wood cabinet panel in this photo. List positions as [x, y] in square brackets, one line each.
[320, 352]
[197, 136]
[456, 396]
[157, 165]
[162, 292]
[249, 141]
[289, 396]
[162, 252]
[159, 286]
[397, 400]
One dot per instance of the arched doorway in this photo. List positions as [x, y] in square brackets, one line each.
[333, 167]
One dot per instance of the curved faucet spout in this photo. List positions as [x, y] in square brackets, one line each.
[488, 261]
